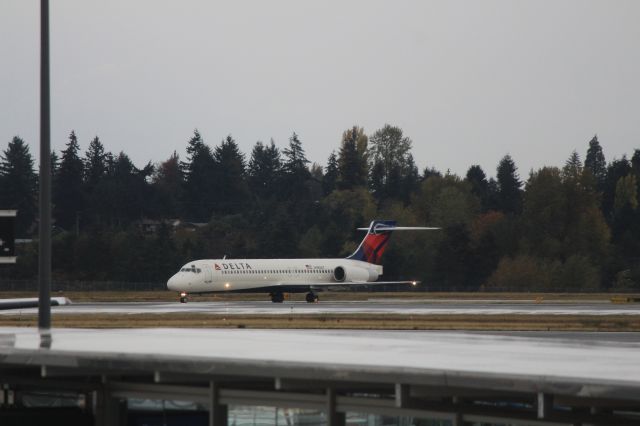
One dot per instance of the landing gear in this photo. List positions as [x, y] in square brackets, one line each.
[311, 297]
[183, 297]
[277, 297]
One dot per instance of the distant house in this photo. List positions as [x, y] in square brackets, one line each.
[188, 226]
[151, 226]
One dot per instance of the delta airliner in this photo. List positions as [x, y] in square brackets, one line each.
[280, 276]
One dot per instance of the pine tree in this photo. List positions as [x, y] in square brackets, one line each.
[168, 181]
[95, 165]
[626, 193]
[295, 163]
[509, 195]
[264, 170]
[410, 180]
[298, 192]
[635, 162]
[573, 167]
[330, 179]
[430, 172]
[479, 185]
[55, 163]
[349, 172]
[615, 170]
[128, 191]
[294, 167]
[635, 167]
[68, 198]
[595, 162]
[230, 186]
[200, 174]
[19, 184]
[352, 160]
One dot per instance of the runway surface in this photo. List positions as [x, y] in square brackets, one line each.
[377, 306]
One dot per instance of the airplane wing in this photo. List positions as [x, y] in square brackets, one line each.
[32, 302]
[346, 285]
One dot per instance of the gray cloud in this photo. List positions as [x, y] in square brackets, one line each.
[468, 81]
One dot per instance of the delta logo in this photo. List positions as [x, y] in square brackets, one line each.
[234, 266]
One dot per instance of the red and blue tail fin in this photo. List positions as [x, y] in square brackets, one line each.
[375, 242]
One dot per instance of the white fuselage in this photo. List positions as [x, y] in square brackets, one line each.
[226, 275]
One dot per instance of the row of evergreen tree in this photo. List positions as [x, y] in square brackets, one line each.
[575, 228]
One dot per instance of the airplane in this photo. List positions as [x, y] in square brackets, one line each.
[280, 276]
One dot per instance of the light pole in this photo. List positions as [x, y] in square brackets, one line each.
[44, 258]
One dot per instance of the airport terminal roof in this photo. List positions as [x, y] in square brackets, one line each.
[604, 369]
[582, 367]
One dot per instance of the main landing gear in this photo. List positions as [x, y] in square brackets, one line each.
[183, 297]
[277, 297]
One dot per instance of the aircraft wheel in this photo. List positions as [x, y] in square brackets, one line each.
[183, 297]
[277, 297]
[311, 297]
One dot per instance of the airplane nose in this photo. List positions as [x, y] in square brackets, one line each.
[173, 281]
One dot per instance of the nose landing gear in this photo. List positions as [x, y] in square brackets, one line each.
[277, 297]
[311, 297]
[183, 297]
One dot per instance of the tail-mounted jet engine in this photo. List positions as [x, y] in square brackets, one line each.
[351, 274]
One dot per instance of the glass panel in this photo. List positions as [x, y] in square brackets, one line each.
[162, 405]
[268, 416]
[51, 400]
[363, 419]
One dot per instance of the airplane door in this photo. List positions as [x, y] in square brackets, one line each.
[208, 276]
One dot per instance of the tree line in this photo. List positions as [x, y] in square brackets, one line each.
[575, 228]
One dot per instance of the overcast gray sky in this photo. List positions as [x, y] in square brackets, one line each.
[468, 81]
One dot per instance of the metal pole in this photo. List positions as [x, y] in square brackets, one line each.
[218, 413]
[44, 261]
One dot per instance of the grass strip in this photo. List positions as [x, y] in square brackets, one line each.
[508, 322]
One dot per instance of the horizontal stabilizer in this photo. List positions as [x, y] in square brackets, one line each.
[400, 228]
[373, 246]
